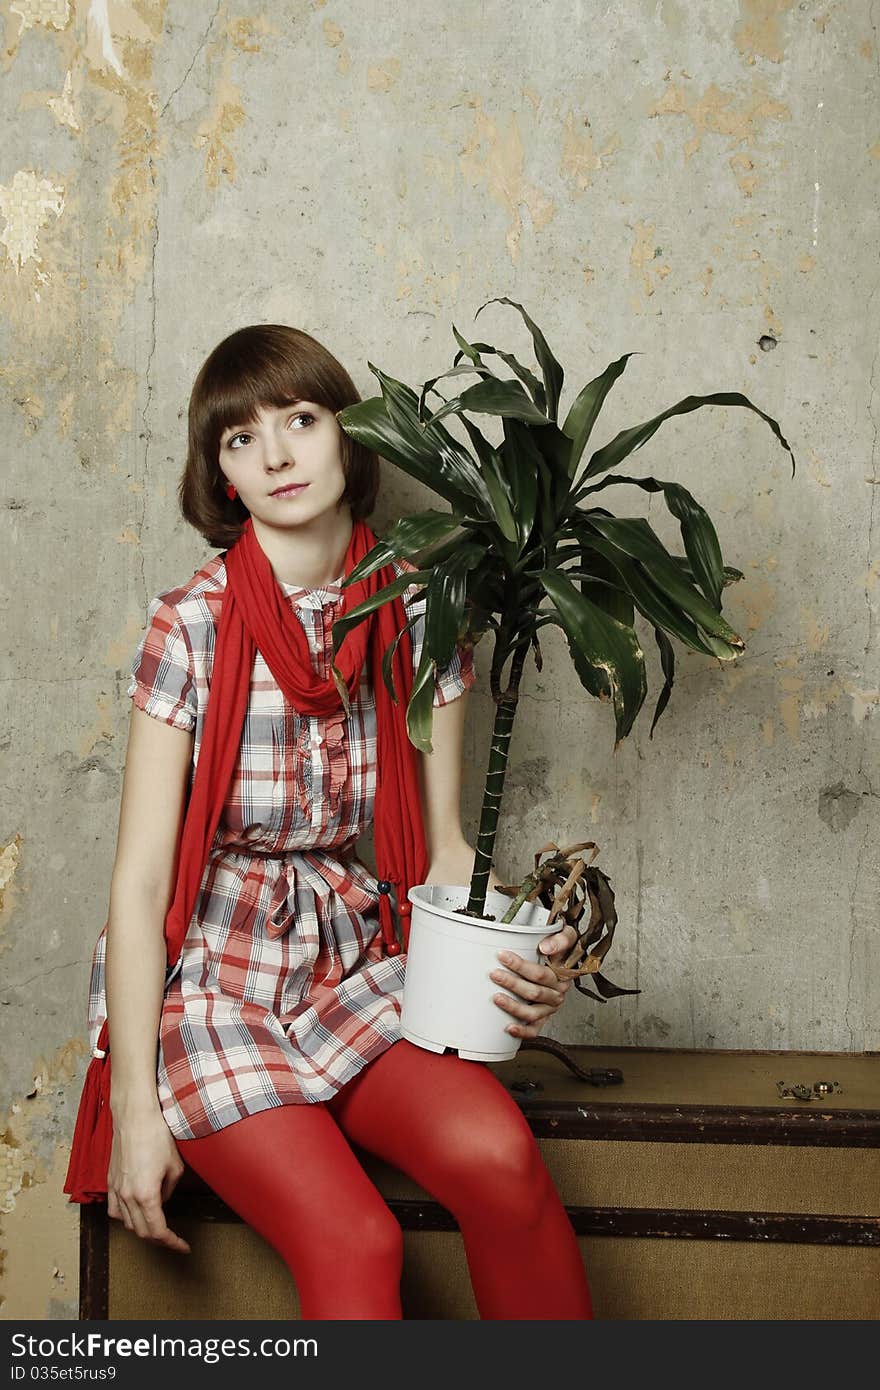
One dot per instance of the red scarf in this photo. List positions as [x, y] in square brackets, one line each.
[256, 615]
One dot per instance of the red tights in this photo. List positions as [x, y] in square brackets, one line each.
[453, 1128]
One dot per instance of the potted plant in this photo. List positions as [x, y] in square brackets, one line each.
[526, 544]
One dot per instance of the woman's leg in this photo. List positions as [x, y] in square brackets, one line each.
[453, 1127]
[291, 1175]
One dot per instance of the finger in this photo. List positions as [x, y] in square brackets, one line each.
[530, 991]
[136, 1215]
[528, 1013]
[159, 1230]
[524, 1030]
[557, 943]
[124, 1213]
[533, 970]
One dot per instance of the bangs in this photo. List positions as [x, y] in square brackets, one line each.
[241, 378]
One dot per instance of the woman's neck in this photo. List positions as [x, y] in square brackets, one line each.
[309, 556]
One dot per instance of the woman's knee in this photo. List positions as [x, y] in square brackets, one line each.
[360, 1248]
[498, 1170]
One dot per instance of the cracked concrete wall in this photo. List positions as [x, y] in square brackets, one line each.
[698, 184]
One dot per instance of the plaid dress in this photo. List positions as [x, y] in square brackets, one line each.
[281, 993]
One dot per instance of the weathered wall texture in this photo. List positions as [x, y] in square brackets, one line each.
[678, 180]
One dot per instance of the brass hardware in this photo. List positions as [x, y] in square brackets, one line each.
[794, 1090]
[797, 1090]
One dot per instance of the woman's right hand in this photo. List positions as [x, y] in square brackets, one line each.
[144, 1170]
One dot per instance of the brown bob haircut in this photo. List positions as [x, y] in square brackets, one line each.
[264, 365]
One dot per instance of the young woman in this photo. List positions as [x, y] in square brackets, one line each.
[278, 1029]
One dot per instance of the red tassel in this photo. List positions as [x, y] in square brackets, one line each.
[386, 921]
[93, 1135]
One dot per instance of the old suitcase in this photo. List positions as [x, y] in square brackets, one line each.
[697, 1189]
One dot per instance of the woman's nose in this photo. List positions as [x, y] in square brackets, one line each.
[276, 453]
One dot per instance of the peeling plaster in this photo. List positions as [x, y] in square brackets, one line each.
[48, 12]
[717, 112]
[40, 1226]
[10, 858]
[226, 116]
[100, 21]
[62, 107]
[495, 157]
[333, 36]
[579, 158]
[247, 33]
[759, 32]
[862, 701]
[381, 77]
[758, 602]
[643, 255]
[27, 203]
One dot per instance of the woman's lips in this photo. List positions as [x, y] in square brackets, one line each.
[291, 490]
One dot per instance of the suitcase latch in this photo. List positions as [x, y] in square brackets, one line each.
[796, 1090]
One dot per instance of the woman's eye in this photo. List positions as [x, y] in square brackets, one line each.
[230, 443]
[302, 415]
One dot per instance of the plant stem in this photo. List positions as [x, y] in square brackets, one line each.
[525, 890]
[495, 774]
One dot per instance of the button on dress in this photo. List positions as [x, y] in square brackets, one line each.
[281, 993]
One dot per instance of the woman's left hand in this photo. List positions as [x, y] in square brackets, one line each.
[539, 992]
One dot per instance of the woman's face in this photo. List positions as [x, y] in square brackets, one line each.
[286, 464]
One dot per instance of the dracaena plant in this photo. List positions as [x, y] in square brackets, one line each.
[527, 544]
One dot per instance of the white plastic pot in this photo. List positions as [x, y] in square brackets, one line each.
[447, 993]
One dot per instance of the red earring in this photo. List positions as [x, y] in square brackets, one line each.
[231, 492]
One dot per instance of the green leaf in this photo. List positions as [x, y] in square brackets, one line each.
[470, 350]
[730, 575]
[402, 406]
[493, 397]
[420, 710]
[602, 584]
[344, 625]
[408, 449]
[698, 533]
[497, 485]
[522, 464]
[445, 600]
[407, 537]
[628, 440]
[388, 658]
[550, 368]
[650, 600]
[667, 661]
[527, 377]
[431, 383]
[605, 652]
[635, 537]
[584, 411]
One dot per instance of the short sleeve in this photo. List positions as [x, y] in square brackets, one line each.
[459, 674]
[162, 675]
